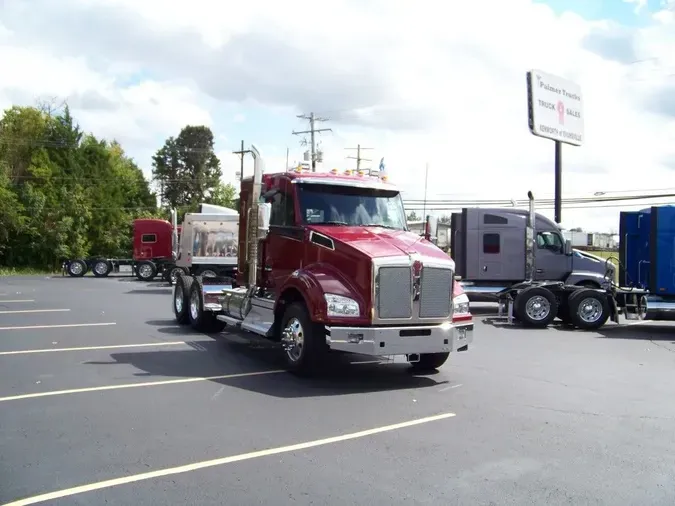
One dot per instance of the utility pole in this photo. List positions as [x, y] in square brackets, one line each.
[358, 158]
[241, 153]
[312, 120]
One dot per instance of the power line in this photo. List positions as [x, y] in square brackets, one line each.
[312, 131]
[358, 158]
[241, 153]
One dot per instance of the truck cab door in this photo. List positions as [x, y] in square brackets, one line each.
[551, 262]
[284, 245]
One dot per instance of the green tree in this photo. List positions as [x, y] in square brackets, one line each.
[64, 193]
[187, 168]
[224, 195]
[412, 216]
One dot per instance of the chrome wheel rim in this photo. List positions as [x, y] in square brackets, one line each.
[538, 308]
[590, 310]
[174, 275]
[178, 299]
[76, 267]
[194, 305]
[101, 268]
[294, 339]
[145, 271]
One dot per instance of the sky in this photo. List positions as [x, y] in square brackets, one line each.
[425, 84]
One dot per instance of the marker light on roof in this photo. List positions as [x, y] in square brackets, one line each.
[348, 172]
[361, 173]
[334, 171]
[384, 178]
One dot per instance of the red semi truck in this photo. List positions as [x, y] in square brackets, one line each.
[161, 248]
[327, 264]
[153, 247]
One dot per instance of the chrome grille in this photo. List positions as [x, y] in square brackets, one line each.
[436, 292]
[394, 292]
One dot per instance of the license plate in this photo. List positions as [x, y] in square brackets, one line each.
[125, 268]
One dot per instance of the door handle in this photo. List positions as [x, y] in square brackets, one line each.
[268, 268]
[540, 271]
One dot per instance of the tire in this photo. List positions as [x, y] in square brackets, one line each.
[430, 361]
[588, 309]
[146, 270]
[172, 273]
[208, 273]
[201, 320]
[77, 268]
[308, 357]
[101, 269]
[544, 311]
[181, 299]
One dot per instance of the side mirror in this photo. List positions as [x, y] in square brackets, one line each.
[264, 211]
[431, 228]
[568, 247]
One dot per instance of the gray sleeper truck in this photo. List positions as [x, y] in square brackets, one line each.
[489, 247]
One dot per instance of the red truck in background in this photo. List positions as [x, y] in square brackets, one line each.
[153, 254]
[328, 264]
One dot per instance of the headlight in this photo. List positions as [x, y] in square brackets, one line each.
[341, 306]
[461, 306]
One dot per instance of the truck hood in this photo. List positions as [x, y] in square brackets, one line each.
[378, 242]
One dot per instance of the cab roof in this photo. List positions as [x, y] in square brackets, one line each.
[346, 178]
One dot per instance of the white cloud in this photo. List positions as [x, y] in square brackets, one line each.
[419, 83]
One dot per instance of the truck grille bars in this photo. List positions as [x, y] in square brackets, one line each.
[413, 293]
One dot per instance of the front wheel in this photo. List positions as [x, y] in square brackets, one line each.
[430, 361]
[303, 341]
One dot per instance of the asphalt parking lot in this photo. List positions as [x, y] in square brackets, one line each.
[104, 400]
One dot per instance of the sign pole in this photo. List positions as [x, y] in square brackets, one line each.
[558, 182]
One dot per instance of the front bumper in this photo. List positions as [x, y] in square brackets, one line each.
[381, 341]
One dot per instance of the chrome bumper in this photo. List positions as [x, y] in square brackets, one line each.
[379, 341]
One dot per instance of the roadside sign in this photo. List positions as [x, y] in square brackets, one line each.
[555, 108]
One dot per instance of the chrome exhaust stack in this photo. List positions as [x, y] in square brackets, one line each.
[236, 302]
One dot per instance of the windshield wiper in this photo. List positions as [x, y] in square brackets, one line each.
[330, 223]
[380, 225]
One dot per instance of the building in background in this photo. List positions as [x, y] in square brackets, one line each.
[596, 240]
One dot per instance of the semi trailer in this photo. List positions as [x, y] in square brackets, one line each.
[328, 265]
[645, 290]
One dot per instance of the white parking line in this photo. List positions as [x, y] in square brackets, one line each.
[63, 326]
[36, 311]
[16, 301]
[136, 385]
[222, 461]
[87, 348]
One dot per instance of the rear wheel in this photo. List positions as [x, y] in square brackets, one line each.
[303, 341]
[588, 309]
[146, 271]
[208, 273]
[77, 268]
[536, 307]
[201, 319]
[101, 269]
[181, 299]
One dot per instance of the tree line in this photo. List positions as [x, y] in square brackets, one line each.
[65, 193]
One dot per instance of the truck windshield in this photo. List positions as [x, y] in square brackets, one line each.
[348, 205]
